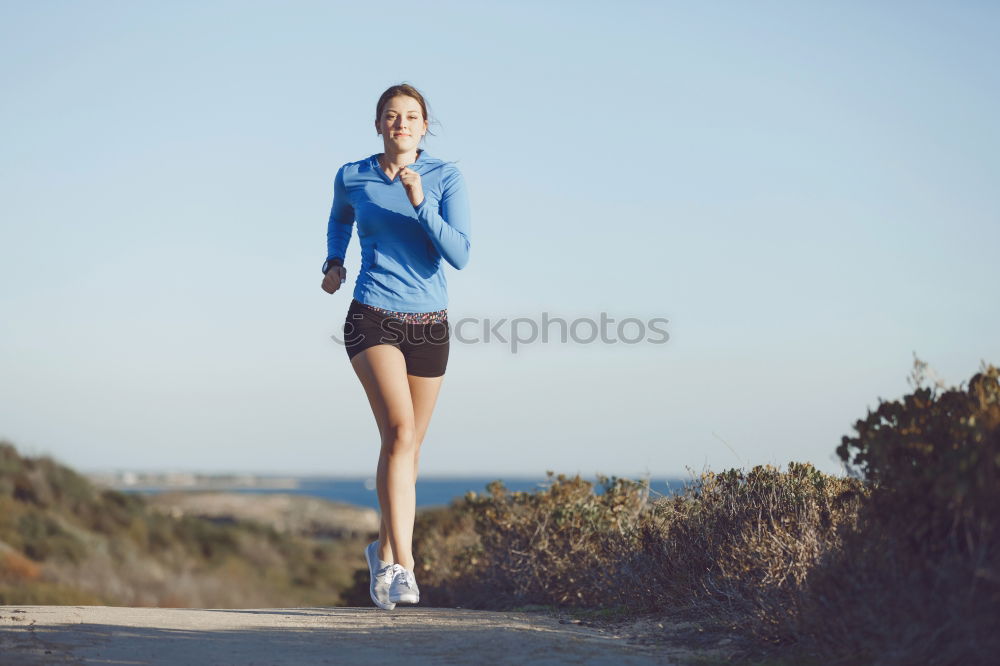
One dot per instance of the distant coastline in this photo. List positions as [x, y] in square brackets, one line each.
[357, 490]
[159, 481]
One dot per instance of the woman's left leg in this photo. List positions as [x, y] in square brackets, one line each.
[427, 358]
[425, 348]
[424, 393]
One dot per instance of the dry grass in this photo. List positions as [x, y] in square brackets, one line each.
[733, 547]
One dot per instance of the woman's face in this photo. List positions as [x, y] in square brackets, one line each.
[402, 123]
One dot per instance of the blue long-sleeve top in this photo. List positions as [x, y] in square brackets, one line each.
[401, 244]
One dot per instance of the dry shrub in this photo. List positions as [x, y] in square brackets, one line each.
[898, 563]
[737, 545]
[554, 546]
[731, 545]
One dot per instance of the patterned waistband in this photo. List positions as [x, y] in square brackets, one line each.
[437, 317]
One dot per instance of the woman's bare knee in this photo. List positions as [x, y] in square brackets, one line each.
[399, 438]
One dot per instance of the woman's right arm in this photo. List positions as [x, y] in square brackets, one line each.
[338, 235]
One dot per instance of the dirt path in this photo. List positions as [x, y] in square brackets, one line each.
[303, 636]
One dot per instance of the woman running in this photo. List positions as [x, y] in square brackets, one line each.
[412, 210]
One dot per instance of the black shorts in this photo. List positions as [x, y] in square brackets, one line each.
[424, 346]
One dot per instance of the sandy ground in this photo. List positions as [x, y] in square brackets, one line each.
[303, 636]
[298, 514]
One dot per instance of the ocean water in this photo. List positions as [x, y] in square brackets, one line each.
[431, 491]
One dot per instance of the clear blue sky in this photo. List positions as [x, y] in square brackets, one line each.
[807, 192]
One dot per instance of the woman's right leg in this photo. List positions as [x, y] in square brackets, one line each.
[424, 392]
[382, 371]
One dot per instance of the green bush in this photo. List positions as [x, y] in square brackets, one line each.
[42, 538]
[934, 461]
[918, 579]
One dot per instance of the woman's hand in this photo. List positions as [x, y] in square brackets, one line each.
[334, 277]
[414, 188]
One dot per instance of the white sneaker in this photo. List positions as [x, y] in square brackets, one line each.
[403, 588]
[378, 588]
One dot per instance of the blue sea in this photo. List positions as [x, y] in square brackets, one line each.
[431, 491]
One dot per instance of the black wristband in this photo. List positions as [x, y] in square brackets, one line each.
[332, 261]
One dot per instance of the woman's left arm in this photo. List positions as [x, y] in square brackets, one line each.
[449, 230]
